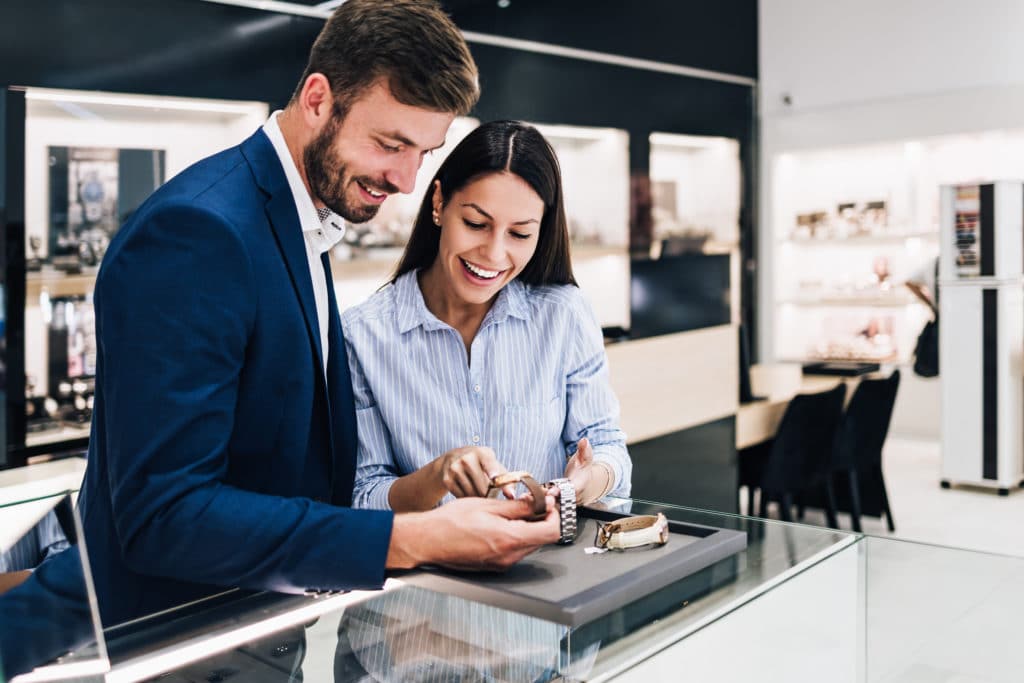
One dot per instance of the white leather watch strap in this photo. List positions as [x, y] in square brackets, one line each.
[633, 532]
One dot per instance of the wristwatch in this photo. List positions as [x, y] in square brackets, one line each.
[632, 532]
[527, 480]
[566, 509]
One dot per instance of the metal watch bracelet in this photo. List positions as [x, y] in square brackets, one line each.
[566, 509]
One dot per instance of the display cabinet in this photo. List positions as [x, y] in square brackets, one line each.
[686, 275]
[696, 192]
[850, 225]
[799, 603]
[77, 165]
[407, 632]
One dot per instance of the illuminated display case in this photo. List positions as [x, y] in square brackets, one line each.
[78, 164]
[685, 268]
[850, 227]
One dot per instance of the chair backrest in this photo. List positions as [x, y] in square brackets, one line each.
[802, 449]
[866, 423]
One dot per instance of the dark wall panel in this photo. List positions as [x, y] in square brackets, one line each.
[696, 467]
[163, 47]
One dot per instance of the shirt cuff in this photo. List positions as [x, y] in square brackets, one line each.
[375, 496]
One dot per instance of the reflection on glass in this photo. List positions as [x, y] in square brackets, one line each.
[49, 624]
[414, 634]
[3, 370]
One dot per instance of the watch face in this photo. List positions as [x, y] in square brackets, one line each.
[91, 190]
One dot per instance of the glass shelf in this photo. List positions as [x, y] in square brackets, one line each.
[861, 240]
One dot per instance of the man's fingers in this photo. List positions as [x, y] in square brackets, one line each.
[519, 508]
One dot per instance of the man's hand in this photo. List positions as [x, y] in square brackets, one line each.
[467, 471]
[471, 533]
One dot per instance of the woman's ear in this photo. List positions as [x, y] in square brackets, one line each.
[438, 201]
[438, 198]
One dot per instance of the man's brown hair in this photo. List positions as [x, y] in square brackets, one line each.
[412, 44]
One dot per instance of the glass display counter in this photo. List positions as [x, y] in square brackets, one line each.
[49, 619]
[799, 603]
[409, 633]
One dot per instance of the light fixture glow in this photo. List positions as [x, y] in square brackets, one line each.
[141, 102]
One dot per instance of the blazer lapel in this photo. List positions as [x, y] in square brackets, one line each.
[284, 220]
[342, 403]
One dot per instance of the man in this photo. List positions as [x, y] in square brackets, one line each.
[223, 441]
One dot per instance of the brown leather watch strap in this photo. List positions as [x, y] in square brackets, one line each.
[526, 479]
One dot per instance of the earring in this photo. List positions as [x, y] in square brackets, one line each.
[437, 218]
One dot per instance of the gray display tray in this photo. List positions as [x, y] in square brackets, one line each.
[563, 584]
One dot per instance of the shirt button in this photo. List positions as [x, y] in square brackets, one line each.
[476, 438]
[476, 388]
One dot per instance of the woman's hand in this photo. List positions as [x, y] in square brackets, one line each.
[580, 468]
[463, 472]
[467, 471]
[591, 480]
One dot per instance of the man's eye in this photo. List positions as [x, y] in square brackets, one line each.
[390, 148]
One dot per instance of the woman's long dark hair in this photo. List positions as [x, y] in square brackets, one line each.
[500, 147]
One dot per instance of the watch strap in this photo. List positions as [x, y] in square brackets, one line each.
[566, 509]
[526, 479]
[632, 532]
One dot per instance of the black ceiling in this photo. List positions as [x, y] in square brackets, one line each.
[214, 50]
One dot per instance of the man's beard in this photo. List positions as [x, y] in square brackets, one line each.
[326, 173]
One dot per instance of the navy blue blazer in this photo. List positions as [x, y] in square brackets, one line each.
[219, 455]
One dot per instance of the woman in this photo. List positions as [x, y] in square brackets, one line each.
[481, 355]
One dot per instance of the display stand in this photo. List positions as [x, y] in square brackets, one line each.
[567, 585]
[981, 335]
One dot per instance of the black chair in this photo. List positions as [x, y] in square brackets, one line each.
[858, 449]
[799, 459]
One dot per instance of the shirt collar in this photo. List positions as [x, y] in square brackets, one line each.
[411, 310]
[327, 226]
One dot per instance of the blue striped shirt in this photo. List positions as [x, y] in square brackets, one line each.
[42, 542]
[536, 382]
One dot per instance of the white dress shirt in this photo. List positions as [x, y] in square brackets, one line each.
[322, 228]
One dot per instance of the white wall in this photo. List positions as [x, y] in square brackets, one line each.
[866, 71]
[832, 53]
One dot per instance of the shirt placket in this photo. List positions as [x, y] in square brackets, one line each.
[474, 386]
